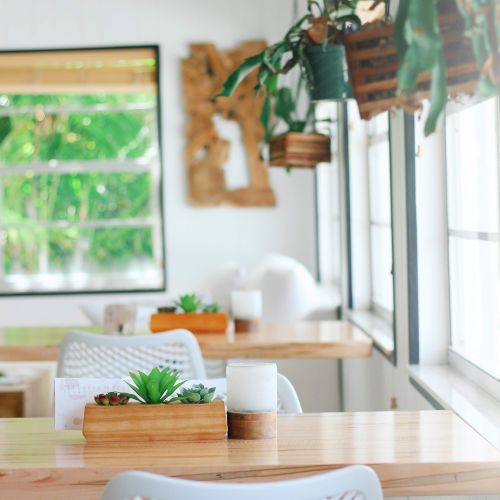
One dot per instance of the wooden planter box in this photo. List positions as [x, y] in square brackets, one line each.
[299, 150]
[373, 64]
[136, 422]
[194, 322]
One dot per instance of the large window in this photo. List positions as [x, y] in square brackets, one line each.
[80, 171]
[473, 231]
[379, 180]
[370, 227]
[328, 200]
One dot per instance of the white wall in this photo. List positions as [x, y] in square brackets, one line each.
[198, 239]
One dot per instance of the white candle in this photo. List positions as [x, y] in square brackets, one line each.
[246, 304]
[251, 387]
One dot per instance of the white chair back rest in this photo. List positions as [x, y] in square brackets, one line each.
[288, 401]
[357, 481]
[114, 356]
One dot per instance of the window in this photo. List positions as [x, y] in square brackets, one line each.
[473, 233]
[80, 183]
[328, 195]
[379, 180]
[370, 227]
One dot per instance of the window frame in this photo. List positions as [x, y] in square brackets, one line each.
[159, 187]
[457, 360]
[380, 327]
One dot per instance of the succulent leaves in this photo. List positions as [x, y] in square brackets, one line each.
[189, 303]
[156, 387]
[112, 399]
[197, 394]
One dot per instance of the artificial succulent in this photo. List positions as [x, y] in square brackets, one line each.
[112, 399]
[156, 387]
[197, 393]
[189, 303]
[211, 308]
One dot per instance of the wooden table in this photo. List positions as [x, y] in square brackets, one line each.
[414, 453]
[301, 340]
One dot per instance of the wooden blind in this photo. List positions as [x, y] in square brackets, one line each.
[79, 71]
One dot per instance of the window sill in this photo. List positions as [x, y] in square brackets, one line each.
[379, 330]
[446, 388]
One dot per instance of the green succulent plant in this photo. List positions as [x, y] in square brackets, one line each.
[211, 308]
[112, 399]
[196, 394]
[189, 303]
[154, 388]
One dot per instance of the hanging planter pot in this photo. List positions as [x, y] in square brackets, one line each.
[373, 65]
[329, 71]
[299, 150]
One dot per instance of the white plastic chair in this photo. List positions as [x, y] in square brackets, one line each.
[288, 401]
[112, 356]
[358, 481]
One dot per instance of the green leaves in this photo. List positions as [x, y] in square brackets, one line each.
[240, 73]
[189, 303]
[197, 394]
[154, 388]
[211, 308]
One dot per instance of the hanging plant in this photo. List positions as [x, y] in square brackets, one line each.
[314, 48]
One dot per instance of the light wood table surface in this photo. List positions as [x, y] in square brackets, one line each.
[414, 453]
[300, 340]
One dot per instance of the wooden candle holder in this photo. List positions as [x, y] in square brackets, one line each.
[136, 422]
[246, 325]
[252, 425]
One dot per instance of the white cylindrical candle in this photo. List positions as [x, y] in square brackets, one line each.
[246, 304]
[252, 387]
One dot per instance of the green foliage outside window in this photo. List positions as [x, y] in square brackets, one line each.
[30, 199]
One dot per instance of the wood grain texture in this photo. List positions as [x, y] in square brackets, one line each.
[252, 425]
[203, 75]
[194, 322]
[414, 453]
[146, 423]
[373, 65]
[299, 150]
[301, 340]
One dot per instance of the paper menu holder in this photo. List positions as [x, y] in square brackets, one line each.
[72, 394]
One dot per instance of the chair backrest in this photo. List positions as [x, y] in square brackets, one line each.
[288, 401]
[359, 481]
[114, 356]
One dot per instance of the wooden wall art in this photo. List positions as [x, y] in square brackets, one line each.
[206, 151]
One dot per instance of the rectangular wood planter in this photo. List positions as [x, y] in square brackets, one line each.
[299, 150]
[373, 64]
[136, 422]
[194, 322]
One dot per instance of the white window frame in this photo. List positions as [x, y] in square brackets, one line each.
[360, 307]
[459, 362]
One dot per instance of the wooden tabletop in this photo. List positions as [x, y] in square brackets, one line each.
[414, 453]
[312, 339]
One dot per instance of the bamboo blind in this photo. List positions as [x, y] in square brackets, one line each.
[79, 71]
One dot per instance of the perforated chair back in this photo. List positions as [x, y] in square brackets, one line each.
[355, 482]
[114, 356]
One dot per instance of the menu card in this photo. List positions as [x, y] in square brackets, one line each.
[72, 394]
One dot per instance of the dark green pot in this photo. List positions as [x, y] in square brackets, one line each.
[329, 70]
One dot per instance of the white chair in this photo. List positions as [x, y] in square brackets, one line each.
[288, 401]
[358, 481]
[113, 356]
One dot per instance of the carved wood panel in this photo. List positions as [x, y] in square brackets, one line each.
[203, 74]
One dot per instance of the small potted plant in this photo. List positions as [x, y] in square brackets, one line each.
[192, 313]
[298, 146]
[157, 413]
